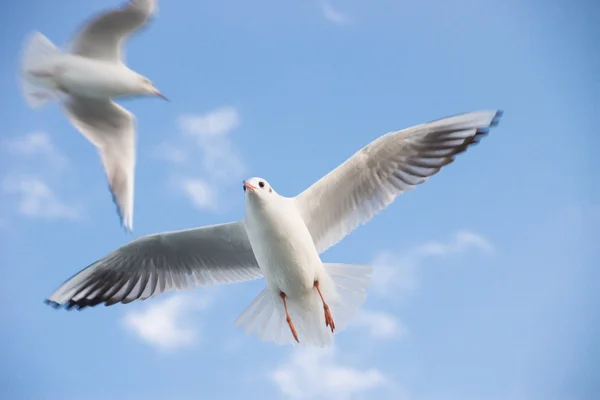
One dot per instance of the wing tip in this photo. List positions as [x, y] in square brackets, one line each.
[51, 303]
[127, 228]
[485, 130]
[72, 304]
[496, 118]
[126, 223]
[56, 305]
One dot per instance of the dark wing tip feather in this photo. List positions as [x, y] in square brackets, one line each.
[52, 304]
[77, 305]
[468, 141]
[481, 132]
[484, 131]
[496, 119]
[67, 306]
[119, 213]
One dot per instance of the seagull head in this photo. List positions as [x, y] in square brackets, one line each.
[257, 188]
[147, 87]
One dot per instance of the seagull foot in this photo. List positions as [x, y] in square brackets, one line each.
[328, 317]
[288, 318]
[292, 328]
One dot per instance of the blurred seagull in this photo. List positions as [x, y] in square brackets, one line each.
[280, 239]
[84, 80]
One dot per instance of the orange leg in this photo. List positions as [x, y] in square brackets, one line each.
[328, 318]
[288, 318]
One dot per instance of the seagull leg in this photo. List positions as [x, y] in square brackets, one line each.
[288, 318]
[328, 318]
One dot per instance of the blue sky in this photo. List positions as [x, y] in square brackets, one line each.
[486, 281]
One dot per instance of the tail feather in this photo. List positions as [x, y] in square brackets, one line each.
[343, 288]
[37, 68]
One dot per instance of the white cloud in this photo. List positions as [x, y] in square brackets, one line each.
[214, 123]
[172, 154]
[38, 164]
[37, 200]
[463, 240]
[334, 15]
[205, 144]
[34, 144]
[199, 192]
[221, 161]
[314, 373]
[163, 324]
[219, 158]
[380, 325]
[397, 274]
[393, 274]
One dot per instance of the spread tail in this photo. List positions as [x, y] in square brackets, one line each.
[37, 69]
[344, 291]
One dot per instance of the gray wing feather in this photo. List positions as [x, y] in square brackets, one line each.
[160, 263]
[373, 177]
[111, 128]
[101, 37]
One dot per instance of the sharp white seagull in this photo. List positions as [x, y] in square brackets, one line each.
[280, 239]
[85, 80]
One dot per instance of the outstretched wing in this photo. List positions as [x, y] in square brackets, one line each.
[162, 262]
[111, 128]
[101, 37]
[373, 177]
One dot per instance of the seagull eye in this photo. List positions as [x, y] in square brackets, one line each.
[244, 186]
[261, 184]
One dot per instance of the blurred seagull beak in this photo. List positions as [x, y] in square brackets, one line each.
[249, 186]
[159, 94]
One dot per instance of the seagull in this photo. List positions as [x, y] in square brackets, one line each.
[281, 239]
[85, 80]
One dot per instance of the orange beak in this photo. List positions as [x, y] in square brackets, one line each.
[249, 186]
[162, 96]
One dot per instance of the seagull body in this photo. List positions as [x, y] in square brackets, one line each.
[85, 77]
[287, 256]
[281, 238]
[280, 241]
[85, 80]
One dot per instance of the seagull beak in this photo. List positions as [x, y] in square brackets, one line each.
[249, 186]
[159, 94]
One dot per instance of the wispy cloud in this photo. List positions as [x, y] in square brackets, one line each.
[393, 274]
[380, 325]
[199, 193]
[214, 123]
[315, 373]
[333, 14]
[211, 151]
[38, 144]
[462, 241]
[166, 324]
[37, 200]
[210, 131]
[172, 154]
[37, 165]
[396, 274]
